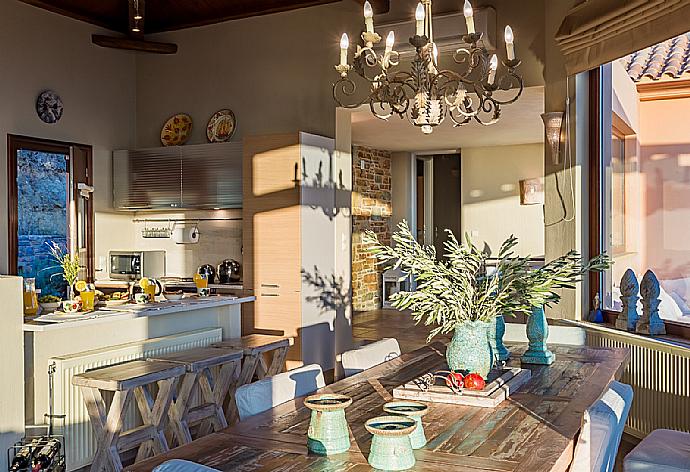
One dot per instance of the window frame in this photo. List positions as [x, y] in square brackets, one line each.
[595, 194]
[17, 142]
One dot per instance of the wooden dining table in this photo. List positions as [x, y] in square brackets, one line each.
[535, 429]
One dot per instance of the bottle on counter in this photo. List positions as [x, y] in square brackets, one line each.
[30, 297]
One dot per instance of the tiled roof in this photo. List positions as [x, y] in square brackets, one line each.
[668, 60]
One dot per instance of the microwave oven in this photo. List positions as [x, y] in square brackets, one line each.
[133, 265]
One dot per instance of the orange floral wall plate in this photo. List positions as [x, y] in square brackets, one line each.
[176, 130]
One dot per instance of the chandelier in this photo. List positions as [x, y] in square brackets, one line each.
[425, 94]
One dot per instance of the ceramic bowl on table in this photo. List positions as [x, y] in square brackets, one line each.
[50, 307]
[391, 448]
[173, 295]
[141, 298]
[414, 410]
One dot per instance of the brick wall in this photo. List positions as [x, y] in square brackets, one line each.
[371, 210]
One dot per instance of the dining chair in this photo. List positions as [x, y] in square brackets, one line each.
[365, 357]
[262, 395]
[179, 465]
[663, 450]
[602, 429]
[569, 335]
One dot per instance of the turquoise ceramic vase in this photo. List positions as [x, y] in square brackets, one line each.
[502, 351]
[328, 432]
[469, 350]
[537, 334]
[391, 448]
[414, 410]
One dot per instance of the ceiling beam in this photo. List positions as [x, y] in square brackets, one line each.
[49, 6]
[379, 6]
[131, 44]
[238, 11]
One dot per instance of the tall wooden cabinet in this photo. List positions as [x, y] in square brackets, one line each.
[291, 243]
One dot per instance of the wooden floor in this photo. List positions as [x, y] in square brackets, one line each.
[368, 326]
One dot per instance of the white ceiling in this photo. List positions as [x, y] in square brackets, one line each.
[520, 123]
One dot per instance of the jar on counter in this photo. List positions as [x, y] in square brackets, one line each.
[30, 297]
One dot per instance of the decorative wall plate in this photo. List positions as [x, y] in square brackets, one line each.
[176, 130]
[221, 126]
[49, 107]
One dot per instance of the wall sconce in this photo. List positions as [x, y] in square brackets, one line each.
[552, 127]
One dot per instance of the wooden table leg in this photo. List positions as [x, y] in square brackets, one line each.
[179, 409]
[278, 362]
[249, 364]
[154, 414]
[107, 427]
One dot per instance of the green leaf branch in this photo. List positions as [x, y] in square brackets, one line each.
[458, 289]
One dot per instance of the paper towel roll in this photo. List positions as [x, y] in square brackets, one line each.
[182, 235]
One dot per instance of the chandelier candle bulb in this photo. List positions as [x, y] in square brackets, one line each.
[469, 17]
[419, 16]
[368, 17]
[390, 40]
[344, 45]
[510, 47]
[492, 69]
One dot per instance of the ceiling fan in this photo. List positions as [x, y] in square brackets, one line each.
[134, 41]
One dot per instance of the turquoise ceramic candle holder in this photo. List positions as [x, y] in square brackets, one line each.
[391, 448]
[414, 410]
[328, 432]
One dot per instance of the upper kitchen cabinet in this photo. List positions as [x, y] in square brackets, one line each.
[204, 176]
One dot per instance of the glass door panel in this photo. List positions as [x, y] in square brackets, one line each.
[43, 216]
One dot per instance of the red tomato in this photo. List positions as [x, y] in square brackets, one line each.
[458, 379]
[474, 382]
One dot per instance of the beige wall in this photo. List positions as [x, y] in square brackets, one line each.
[276, 71]
[491, 209]
[665, 172]
[42, 50]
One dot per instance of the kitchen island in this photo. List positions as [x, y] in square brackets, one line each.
[108, 337]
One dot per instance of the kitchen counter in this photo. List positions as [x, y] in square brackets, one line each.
[122, 333]
[132, 311]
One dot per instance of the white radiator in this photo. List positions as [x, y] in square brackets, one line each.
[80, 444]
[659, 374]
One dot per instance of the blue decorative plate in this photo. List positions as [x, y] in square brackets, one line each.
[49, 107]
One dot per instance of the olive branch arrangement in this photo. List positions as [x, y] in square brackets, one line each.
[460, 289]
[68, 263]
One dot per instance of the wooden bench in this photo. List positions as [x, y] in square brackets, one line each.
[211, 371]
[255, 349]
[137, 378]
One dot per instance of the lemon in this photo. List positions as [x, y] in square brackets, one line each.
[144, 282]
[80, 285]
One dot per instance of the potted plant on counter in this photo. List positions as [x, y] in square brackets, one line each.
[456, 294]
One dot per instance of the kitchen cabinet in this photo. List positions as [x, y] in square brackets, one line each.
[289, 240]
[205, 176]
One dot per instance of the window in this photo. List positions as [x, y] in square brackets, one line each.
[49, 202]
[641, 184]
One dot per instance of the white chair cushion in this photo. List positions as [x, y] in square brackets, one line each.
[663, 450]
[257, 397]
[602, 429]
[570, 335]
[368, 356]
[179, 465]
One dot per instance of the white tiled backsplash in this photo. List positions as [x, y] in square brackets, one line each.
[218, 240]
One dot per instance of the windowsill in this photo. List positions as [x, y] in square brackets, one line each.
[666, 342]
